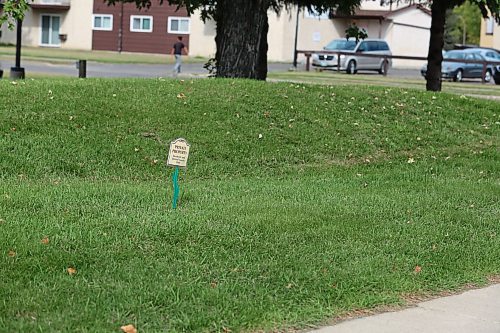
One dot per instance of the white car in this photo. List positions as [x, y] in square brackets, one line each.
[354, 61]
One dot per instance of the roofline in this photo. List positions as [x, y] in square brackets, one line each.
[384, 16]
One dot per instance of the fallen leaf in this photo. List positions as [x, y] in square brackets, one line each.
[71, 271]
[181, 95]
[226, 330]
[213, 284]
[129, 329]
[417, 269]
[411, 160]
[11, 254]
[45, 240]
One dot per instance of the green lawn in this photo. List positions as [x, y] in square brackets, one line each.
[300, 202]
[58, 55]
[333, 78]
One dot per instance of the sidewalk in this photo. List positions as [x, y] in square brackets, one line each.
[474, 311]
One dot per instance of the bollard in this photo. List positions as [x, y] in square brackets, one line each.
[82, 68]
[17, 73]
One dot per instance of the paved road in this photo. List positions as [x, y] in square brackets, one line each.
[475, 311]
[95, 69]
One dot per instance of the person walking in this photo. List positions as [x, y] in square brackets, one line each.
[177, 54]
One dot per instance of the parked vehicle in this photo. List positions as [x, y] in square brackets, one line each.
[354, 61]
[457, 71]
[487, 53]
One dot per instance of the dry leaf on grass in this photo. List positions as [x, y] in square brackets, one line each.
[128, 329]
[12, 254]
[71, 271]
[417, 269]
[45, 240]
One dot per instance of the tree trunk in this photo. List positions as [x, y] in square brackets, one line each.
[241, 39]
[436, 43]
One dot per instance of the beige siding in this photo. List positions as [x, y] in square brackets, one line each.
[77, 24]
[410, 37]
[202, 37]
[488, 40]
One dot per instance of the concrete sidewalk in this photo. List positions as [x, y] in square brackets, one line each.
[474, 311]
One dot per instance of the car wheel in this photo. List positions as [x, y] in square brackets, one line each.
[459, 76]
[351, 67]
[487, 76]
[383, 68]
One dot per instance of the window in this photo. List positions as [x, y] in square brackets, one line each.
[141, 23]
[179, 25]
[50, 30]
[363, 47]
[490, 24]
[372, 46]
[382, 46]
[102, 22]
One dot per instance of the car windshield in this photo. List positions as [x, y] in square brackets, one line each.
[341, 44]
[454, 55]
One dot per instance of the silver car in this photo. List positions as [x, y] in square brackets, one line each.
[354, 61]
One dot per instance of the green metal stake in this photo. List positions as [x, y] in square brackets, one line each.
[175, 178]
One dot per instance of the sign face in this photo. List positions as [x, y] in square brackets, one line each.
[178, 153]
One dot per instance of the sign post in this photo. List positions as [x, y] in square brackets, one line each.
[177, 157]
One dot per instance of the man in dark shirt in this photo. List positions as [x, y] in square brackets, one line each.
[177, 54]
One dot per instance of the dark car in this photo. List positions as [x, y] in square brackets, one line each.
[457, 71]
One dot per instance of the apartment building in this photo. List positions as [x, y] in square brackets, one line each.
[93, 25]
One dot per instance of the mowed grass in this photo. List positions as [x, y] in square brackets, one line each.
[469, 87]
[300, 203]
[63, 55]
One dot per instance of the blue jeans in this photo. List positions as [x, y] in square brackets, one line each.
[178, 63]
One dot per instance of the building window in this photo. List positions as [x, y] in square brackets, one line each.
[141, 23]
[490, 24]
[178, 25]
[50, 30]
[102, 22]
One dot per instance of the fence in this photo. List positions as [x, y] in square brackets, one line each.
[308, 55]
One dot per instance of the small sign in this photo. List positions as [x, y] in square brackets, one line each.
[316, 36]
[178, 153]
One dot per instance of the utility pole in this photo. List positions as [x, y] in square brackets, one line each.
[464, 30]
[296, 38]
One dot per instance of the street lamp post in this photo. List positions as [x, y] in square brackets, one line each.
[464, 32]
[17, 72]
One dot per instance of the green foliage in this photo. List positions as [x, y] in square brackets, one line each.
[465, 18]
[12, 11]
[353, 31]
[209, 7]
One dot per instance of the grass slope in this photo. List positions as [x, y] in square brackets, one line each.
[300, 202]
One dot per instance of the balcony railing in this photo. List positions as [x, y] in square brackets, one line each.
[51, 4]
